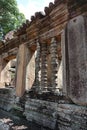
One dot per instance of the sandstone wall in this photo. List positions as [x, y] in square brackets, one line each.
[5, 77]
[30, 71]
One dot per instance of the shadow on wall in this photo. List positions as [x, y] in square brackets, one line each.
[30, 70]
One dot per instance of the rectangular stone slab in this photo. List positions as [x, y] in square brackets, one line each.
[76, 59]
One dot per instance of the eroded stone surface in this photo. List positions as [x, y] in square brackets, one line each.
[56, 116]
[76, 59]
[4, 126]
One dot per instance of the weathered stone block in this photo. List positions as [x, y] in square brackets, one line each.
[76, 59]
[8, 100]
[56, 116]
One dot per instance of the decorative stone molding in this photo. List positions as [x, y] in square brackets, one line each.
[38, 67]
[44, 67]
[54, 64]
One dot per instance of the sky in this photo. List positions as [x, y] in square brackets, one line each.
[29, 7]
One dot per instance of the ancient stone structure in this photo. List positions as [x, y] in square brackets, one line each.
[51, 69]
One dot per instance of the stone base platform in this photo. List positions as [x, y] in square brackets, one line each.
[56, 116]
[50, 113]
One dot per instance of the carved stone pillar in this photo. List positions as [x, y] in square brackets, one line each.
[37, 67]
[54, 65]
[43, 67]
[21, 70]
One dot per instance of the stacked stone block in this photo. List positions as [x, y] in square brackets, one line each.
[54, 64]
[38, 67]
[44, 67]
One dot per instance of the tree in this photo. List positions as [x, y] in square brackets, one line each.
[10, 17]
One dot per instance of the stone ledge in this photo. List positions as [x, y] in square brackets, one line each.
[56, 116]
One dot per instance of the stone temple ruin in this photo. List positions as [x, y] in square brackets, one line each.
[43, 67]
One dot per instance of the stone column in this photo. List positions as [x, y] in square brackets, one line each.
[44, 67]
[64, 59]
[38, 67]
[21, 70]
[54, 65]
[76, 59]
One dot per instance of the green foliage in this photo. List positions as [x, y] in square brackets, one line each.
[10, 17]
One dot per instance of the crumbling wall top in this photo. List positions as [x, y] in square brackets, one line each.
[48, 24]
